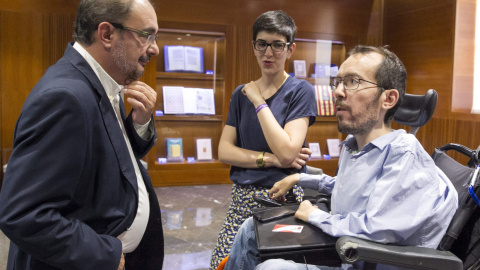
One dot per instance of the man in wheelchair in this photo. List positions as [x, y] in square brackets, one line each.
[387, 189]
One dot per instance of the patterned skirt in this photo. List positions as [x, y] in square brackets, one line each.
[240, 209]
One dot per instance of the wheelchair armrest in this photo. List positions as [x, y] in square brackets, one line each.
[352, 249]
[314, 170]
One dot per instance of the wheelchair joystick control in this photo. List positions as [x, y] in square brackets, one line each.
[290, 197]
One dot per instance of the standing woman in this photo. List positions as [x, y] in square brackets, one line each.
[266, 126]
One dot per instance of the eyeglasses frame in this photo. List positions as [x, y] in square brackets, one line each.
[285, 44]
[140, 32]
[358, 85]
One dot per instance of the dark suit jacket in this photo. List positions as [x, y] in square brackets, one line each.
[70, 187]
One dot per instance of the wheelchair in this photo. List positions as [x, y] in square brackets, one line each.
[460, 247]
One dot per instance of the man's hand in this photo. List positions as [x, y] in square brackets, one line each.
[142, 98]
[282, 187]
[122, 263]
[304, 210]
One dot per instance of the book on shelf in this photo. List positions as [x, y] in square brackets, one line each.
[185, 100]
[300, 68]
[204, 149]
[333, 147]
[316, 153]
[183, 59]
[325, 70]
[174, 148]
[321, 70]
[325, 100]
[333, 70]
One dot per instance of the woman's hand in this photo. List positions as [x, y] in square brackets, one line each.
[253, 93]
[302, 157]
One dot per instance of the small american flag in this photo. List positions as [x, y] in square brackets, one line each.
[325, 100]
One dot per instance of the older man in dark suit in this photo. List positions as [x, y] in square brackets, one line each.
[75, 195]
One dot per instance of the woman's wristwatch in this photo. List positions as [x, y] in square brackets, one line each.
[260, 162]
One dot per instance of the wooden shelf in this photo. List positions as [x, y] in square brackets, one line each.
[212, 172]
[189, 127]
[314, 81]
[184, 165]
[189, 118]
[188, 76]
[186, 174]
[326, 119]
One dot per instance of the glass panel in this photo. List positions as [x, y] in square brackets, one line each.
[317, 61]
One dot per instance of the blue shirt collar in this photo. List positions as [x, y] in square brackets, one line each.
[381, 142]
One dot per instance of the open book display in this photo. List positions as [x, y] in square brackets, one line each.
[183, 59]
[183, 100]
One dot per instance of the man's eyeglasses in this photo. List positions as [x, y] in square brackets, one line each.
[261, 45]
[350, 82]
[150, 38]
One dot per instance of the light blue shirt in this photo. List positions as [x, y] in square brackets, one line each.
[389, 192]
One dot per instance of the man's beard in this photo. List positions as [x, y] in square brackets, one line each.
[121, 60]
[361, 124]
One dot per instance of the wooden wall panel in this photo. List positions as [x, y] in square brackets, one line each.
[2, 155]
[375, 27]
[464, 62]
[440, 131]
[47, 25]
[57, 32]
[26, 51]
[21, 66]
[341, 17]
[40, 6]
[422, 34]
[248, 69]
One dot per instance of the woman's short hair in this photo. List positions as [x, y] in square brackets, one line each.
[275, 22]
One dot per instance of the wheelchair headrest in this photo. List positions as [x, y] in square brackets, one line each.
[416, 110]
